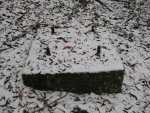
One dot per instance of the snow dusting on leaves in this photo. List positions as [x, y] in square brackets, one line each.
[127, 28]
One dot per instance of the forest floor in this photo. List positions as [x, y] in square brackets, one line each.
[128, 30]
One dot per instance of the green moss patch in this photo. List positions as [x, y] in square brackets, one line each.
[103, 82]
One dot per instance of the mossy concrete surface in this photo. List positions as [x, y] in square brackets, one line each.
[103, 82]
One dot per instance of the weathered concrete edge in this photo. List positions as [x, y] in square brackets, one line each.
[103, 82]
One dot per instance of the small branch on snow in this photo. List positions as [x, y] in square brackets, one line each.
[1, 50]
[102, 3]
[128, 19]
[49, 105]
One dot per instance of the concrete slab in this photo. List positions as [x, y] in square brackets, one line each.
[74, 61]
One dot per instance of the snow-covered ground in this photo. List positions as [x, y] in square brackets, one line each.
[127, 30]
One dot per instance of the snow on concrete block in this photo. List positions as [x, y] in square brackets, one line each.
[72, 61]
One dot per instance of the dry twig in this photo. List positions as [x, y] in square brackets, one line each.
[102, 3]
[49, 105]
